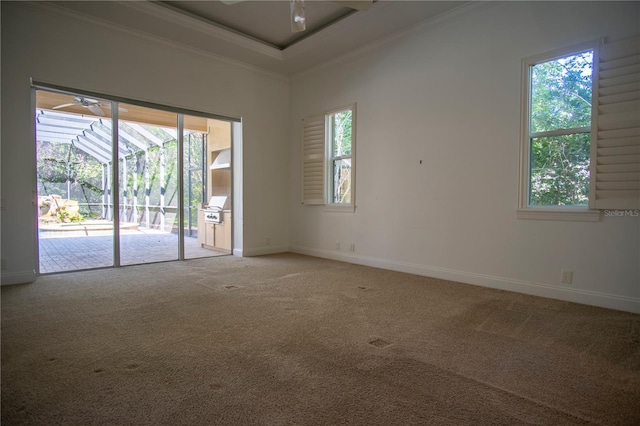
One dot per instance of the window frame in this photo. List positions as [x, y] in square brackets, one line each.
[330, 205]
[525, 209]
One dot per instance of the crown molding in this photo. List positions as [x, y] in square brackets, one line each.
[52, 9]
[188, 20]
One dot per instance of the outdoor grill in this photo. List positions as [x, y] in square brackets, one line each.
[213, 210]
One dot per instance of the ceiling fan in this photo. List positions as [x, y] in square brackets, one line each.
[298, 18]
[92, 105]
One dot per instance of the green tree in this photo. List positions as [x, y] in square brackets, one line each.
[561, 100]
[194, 163]
[342, 125]
[65, 170]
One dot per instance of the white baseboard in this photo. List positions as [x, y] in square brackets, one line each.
[22, 277]
[628, 304]
[261, 251]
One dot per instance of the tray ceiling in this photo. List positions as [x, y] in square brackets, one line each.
[258, 33]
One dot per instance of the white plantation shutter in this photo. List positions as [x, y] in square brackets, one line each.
[615, 169]
[313, 152]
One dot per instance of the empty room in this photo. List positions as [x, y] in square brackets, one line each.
[320, 212]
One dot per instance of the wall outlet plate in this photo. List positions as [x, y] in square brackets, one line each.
[566, 276]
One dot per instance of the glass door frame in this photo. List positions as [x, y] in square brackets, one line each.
[115, 167]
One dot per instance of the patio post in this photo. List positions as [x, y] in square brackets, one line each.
[135, 187]
[104, 190]
[123, 188]
[162, 186]
[108, 194]
[147, 188]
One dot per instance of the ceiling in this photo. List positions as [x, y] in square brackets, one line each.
[258, 33]
[265, 21]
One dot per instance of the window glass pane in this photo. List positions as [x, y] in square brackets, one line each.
[74, 182]
[561, 93]
[560, 170]
[342, 181]
[148, 155]
[341, 131]
[207, 187]
[194, 190]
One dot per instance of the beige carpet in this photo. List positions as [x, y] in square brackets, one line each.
[295, 340]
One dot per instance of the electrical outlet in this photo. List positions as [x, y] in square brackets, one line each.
[337, 245]
[352, 247]
[268, 241]
[566, 276]
[3, 264]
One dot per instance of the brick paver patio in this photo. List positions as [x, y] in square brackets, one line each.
[69, 251]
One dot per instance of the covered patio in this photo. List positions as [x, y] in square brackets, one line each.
[76, 183]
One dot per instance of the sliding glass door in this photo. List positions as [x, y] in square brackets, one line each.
[74, 182]
[148, 193]
[123, 184]
[207, 183]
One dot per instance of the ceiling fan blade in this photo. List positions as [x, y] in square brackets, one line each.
[230, 2]
[355, 4]
[96, 110]
[64, 105]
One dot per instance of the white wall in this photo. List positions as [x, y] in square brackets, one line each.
[63, 51]
[449, 95]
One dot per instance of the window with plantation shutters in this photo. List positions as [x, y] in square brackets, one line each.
[580, 144]
[340, 137]
[615, 150]
[313, 160]
[328, 159]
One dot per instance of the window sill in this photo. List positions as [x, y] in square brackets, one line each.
[572, 214]
[341, 208]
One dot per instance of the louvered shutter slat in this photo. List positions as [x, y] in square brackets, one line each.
[619, 150]
[617, 142]
[620, 185]
[616, 164]
[605, 169]
[618, 159]
[622, 69]
[620, 89]
[313, 160]
[620, 177]
[619, 80]
[620, 97]
[618, 120]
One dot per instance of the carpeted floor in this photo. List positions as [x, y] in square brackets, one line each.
[294, 340]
